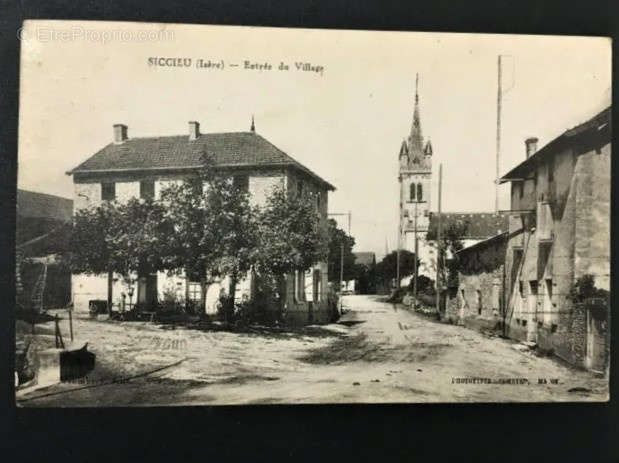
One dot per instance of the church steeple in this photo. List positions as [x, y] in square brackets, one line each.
[415, 139]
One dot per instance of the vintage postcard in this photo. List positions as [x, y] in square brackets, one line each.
[213, 215]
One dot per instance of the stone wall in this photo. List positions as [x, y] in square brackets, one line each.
[477, 301]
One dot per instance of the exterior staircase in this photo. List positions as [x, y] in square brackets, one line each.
[39, 290]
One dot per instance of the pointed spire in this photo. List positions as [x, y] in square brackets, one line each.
[253, 126]
[428, 149]
[404, 148]
[415, 139]
[417, 88]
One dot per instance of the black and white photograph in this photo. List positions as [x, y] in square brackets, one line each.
[235, 215]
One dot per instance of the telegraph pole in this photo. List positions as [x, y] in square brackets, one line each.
[397, 265]
[349, 215]
[498, 136]
[416, 259]
[499, 103]
[439, 244]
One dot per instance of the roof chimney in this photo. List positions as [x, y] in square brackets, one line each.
[194, 130]
[531, 146]
[120, 133]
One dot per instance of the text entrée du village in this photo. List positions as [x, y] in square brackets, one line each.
[246, 65]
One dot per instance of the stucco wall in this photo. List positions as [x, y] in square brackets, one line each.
[261, 183]
[577, 202]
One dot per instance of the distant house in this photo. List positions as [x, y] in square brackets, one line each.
[559, 231]
[39, 214]
[144, 166]
[366, 281]
[43, 229]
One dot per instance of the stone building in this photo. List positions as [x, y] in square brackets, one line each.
[143, 167]
[477, 301]
[416, 218]
[559, 231]
[42, 231]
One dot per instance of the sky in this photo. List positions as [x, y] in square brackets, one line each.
[345, 123]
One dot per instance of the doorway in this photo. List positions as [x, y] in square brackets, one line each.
[595, 358]
[147, 291]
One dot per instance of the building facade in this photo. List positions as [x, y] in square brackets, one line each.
[477, 301]
[559, 231]
[144, 167]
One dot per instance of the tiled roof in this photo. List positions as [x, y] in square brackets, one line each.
[479, 225]
[599, 122]
[501, 237]
[365, 258]
[40, 205]
[233, 149]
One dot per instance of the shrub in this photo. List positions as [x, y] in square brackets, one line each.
[226, 308]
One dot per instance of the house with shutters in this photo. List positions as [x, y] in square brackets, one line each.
[559, 231]
[142, 167]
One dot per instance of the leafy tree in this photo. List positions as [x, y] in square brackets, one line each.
[451, 242]
[386, 269]
[366, 277]
[291, 237]
[337, 238]
[116, 238]
[209, 228]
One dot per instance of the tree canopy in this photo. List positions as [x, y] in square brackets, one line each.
[386, 269]
[338, 237]
[203, 225]
[290, 233]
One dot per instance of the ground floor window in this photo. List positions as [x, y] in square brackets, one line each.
[317, 285]
[194, 291]
[309, 285]
[299, 286]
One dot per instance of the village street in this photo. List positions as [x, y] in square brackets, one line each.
[378, 352]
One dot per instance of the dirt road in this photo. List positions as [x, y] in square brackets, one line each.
[378, 352]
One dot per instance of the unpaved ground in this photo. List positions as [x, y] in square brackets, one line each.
[379, 352]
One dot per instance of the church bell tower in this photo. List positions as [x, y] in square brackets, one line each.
[415, 178]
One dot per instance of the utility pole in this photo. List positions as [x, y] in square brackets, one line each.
[397, 260]
[416, 258]
[499, 105]
[349, 215]
[498, 135]
[439, 244]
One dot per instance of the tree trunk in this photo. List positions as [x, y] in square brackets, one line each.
[110, 285]
[281, 288]
[204, 285]
[231, 293]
